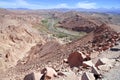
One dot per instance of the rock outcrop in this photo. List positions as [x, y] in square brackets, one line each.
[15, 43]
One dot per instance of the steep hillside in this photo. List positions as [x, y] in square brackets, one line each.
[78, 23]
[16, 36]
[15, 42]
[32, 40]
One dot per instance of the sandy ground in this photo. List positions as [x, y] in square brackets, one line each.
[113, 73]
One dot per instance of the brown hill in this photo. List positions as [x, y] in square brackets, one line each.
[23, 49]
[78, 23]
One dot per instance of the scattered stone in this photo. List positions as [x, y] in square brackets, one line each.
[88, 76]
[117, 64]
[67, 76]
[104, 67]
[115, 49]
[94, 54]
[104, 61]
[88, 64]
[65, 60]
[75, 59]
[118, 60]
[95, 70]
[49, 72]
[33, 76]
[75, 69]
[61, 74]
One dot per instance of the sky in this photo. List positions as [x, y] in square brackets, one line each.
[48, 4]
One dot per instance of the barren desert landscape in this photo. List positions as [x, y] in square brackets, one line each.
[59, 44]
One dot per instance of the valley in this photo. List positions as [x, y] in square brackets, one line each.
[31, 40]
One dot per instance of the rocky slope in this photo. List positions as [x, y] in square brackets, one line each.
[15, 42]
[25, 51]
[16, 37]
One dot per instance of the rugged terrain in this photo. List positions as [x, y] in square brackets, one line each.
[32, 40]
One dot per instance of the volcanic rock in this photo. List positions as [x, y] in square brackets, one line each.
[75, 59]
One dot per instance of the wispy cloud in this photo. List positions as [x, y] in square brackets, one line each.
[26, 4]
[19, 4]
[22, 2]
[62, 5]
[86, 5]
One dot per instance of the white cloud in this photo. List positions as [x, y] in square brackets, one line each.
[63, 5]
[22, 2]
[86, 5]
[19, 4]
[26, 4]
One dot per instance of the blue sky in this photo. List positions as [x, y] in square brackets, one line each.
[47, 4]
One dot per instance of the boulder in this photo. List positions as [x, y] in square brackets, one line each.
[49, 72]
[87, 76]
[88, 64]
[95, 70]
[33, 76]
[104, 61]
[75, 59]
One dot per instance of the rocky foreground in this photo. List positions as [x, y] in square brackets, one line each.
[88, 58]
[81, 67]
[26, 54]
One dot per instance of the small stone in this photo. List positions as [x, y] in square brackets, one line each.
[49, 72]
[87, 64]
[88, 76]
[33, 76]
[65, 60]
[75, 69]
[67, 76]
[104, 61]
[95, 70]
[104, 67]
[94, 54]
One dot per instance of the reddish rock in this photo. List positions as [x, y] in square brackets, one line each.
[105, 48]
[76, 59]
[88, 76]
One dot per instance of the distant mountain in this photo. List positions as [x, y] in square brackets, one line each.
[111, 10]
[18, 8]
